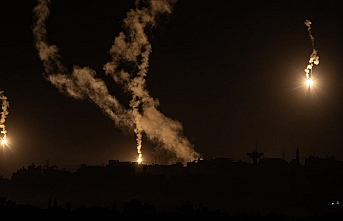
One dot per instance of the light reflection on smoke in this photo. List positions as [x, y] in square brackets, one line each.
[128, 68]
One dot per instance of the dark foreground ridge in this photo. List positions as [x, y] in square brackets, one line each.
[132, 209]
[136, 209]
[268, 189]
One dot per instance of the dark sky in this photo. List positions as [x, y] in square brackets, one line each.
[231, 72]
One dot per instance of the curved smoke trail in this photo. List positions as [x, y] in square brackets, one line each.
[4, 113]
[128, 68]
[314, 58]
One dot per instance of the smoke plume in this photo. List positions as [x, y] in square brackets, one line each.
[314, 58]
[4, 113]
[128, 68]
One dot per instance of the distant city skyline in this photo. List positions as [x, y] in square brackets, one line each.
[272, 186]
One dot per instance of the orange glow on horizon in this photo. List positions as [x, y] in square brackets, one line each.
[140, 158]
[139, 161]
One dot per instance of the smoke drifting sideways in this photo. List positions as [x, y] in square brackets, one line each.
[314, 58]
[128, 68]
[4, 113]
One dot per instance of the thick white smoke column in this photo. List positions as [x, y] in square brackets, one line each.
[129, 66]
[314, 58]
[4, 113]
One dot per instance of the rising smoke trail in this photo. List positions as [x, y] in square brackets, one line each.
[4, 113]
[314, 58]
[128, 68]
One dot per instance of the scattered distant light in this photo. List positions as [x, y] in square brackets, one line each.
[335, 203]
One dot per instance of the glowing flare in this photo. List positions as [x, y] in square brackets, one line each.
[4, 113]
[140, 158]
[3, 141]
[309, 82]
[314, 58]
[133, 49]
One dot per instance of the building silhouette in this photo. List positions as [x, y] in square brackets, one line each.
[265, 186]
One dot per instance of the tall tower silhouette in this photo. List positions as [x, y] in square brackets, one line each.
[297, 155]
[255, 155]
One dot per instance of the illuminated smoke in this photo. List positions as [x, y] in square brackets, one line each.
[128, 68]
[314, 58]
[4, 113]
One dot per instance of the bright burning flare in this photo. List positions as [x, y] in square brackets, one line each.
[309, 82]
[128, 68]
[140, 158]
[4, 113]
[314, 58]
[3, 141]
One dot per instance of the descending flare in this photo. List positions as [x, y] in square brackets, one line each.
[3, 141]
[128, 68]
[314, 58]
[4, 113]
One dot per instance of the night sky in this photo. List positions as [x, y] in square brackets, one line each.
[231, 72]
